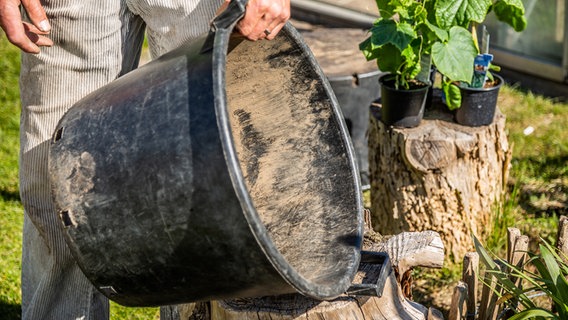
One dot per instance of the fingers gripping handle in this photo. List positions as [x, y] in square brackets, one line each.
[230, 16]
[225, 21]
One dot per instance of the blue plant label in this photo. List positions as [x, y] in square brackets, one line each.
[480, 67]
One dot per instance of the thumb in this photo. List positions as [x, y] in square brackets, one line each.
[37, 15]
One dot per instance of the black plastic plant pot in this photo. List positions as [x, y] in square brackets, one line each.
[400, 107]
[222, 169]
[478, 105]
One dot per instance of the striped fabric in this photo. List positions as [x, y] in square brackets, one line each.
[96, 41]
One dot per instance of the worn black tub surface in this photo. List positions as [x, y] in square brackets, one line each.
[222, 169]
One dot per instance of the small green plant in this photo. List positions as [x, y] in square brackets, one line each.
[406, 37]
[410, 35]
[468, 14]
[549, 279]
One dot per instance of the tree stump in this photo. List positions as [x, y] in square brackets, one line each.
[438, 176]
[405, 250]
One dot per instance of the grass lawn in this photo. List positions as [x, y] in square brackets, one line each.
[10, 207]
[539, 173]
[538, 185]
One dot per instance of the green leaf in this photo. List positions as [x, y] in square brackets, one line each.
[403, 13]
[452, 94]
[385, 9]
[512, 12]
[411, 11]
[430, 7]
[551, 264]
[367, 49]
[454, 58]
[559, 256]
[559, 286]
[532, 314]
[461, 12]
[440, 33]
[388, 31]
[389, 58]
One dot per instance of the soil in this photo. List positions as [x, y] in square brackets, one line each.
[288, 143]
[490, 84]
[413, 84]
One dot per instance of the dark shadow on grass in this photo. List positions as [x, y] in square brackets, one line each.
[549, 167]
[10, 311]
[8, 195]
[551, 172]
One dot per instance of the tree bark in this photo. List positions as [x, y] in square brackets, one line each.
[439, 176]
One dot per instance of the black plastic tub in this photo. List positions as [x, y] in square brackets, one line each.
[222, 169]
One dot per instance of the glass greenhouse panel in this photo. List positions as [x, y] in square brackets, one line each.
[544, 37]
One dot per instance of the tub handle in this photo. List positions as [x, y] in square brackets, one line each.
[377, 268]
[230, 16]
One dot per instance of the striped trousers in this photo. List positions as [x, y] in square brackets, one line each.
[95, 41]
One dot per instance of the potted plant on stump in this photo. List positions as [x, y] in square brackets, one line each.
[411, 35]
[401, 41]
[474, 99]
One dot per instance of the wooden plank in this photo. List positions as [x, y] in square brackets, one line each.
[337, 51]
[517, 247]
[512, 235]
[458, 308]
[365, 6]
[469, 276]
[489, 309]
[519, 256]
[486, 294]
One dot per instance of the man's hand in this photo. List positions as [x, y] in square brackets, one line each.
[263, 18]
[26, 36]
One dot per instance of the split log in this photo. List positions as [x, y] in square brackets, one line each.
[405, 250]
[411, 249]
[439, 176]
[300, 307]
